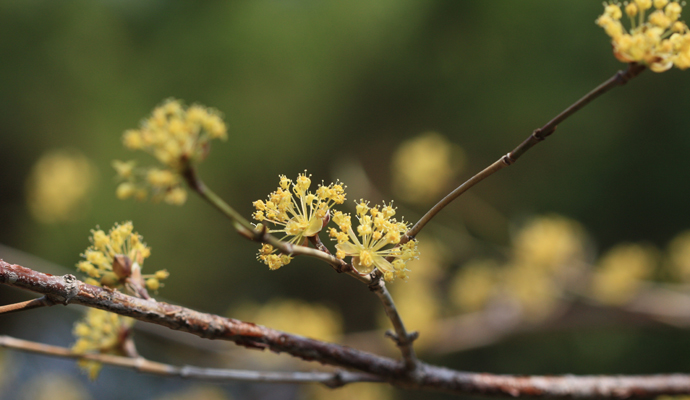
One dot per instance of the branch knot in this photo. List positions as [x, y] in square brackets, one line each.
[71, 287]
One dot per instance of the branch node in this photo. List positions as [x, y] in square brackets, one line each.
[260, 236]
[71, 287]
[540, 134]
[390, 334]
[411, 337]
[337, 380]
[375, 284]
[289, 248]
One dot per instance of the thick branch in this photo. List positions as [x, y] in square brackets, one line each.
[67, 289]
[620, 78]
[331, 379]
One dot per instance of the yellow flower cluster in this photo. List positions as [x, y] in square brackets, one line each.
[176, 136]
[114, 257]
[299, 213]
[139, 183]
[377, 229]
[659, 41]
[312, 320]
[99, 332]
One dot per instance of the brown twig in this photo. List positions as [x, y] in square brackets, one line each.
[401, 337]
[67, 289]
[138, 363]
[620, 78]
[26, 305]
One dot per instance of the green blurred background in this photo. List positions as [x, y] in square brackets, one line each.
[334, 88]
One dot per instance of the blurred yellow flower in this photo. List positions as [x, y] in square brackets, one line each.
[474, 284]
[423, 167]
[197, 393]
[294, 316]
[621, 271]
[660, 41]
[54, 385]
[535, 289]
[358, 391]
[177, 136]
[549, 242]
[679, 255]
[59, 185]
[99, 332]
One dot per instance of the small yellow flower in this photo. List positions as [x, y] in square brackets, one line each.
[377, 229]
[274, 261]
[660, 42]
[124, 169]
[125, 190]
[99, 332]
[298, 213]
[111, 257]
[153, 284]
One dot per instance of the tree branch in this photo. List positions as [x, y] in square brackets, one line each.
[619, 79]
[67, 289]
[330, 379]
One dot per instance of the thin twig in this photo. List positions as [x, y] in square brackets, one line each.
[26, 305]
[331, 379]
[401, 337]
[619, 79]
